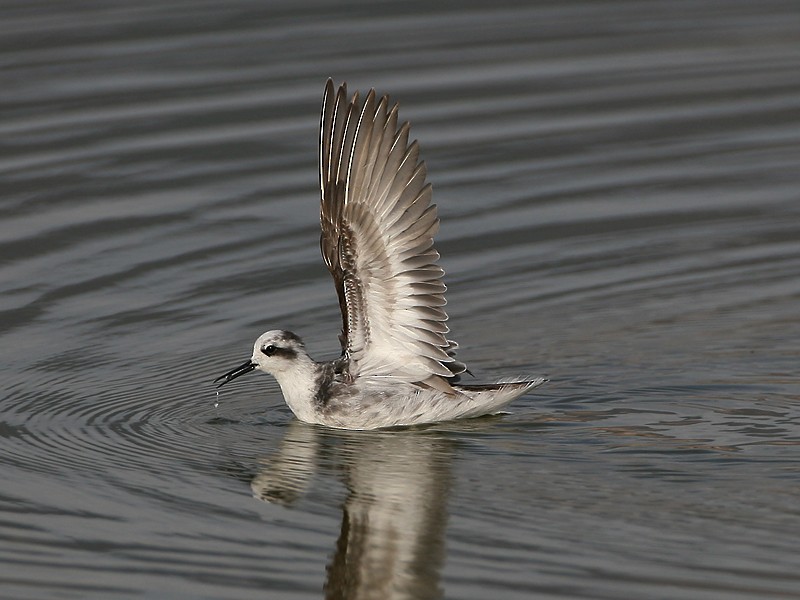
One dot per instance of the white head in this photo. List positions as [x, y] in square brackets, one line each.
[275, 352]
[278, 351]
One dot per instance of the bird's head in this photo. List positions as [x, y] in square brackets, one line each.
[274, 352]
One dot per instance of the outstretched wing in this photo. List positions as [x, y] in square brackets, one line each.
[378, 225]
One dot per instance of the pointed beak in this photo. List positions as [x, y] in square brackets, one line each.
[234, 373]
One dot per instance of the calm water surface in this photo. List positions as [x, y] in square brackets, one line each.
[620, 198]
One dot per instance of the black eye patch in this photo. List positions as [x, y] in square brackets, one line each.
[272, 350]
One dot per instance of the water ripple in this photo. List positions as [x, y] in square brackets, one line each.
[618, 192]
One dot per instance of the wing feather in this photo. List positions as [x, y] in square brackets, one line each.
[378, 224]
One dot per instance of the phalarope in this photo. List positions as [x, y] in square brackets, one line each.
[378, 222]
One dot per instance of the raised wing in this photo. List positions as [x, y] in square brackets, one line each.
[378, 225]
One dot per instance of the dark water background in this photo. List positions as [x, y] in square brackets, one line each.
[620, 198]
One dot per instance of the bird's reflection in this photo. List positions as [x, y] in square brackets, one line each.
[391, 543]
[285, 475]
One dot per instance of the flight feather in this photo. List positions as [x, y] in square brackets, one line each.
[378, 224]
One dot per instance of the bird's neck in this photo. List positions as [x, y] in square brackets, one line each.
[299, 387]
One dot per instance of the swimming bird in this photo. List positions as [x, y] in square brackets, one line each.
[397, 366]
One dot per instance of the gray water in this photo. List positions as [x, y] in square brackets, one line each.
[619, 190]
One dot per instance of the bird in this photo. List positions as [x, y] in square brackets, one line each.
[397, 367]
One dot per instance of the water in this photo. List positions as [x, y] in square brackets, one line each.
[618, 187]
